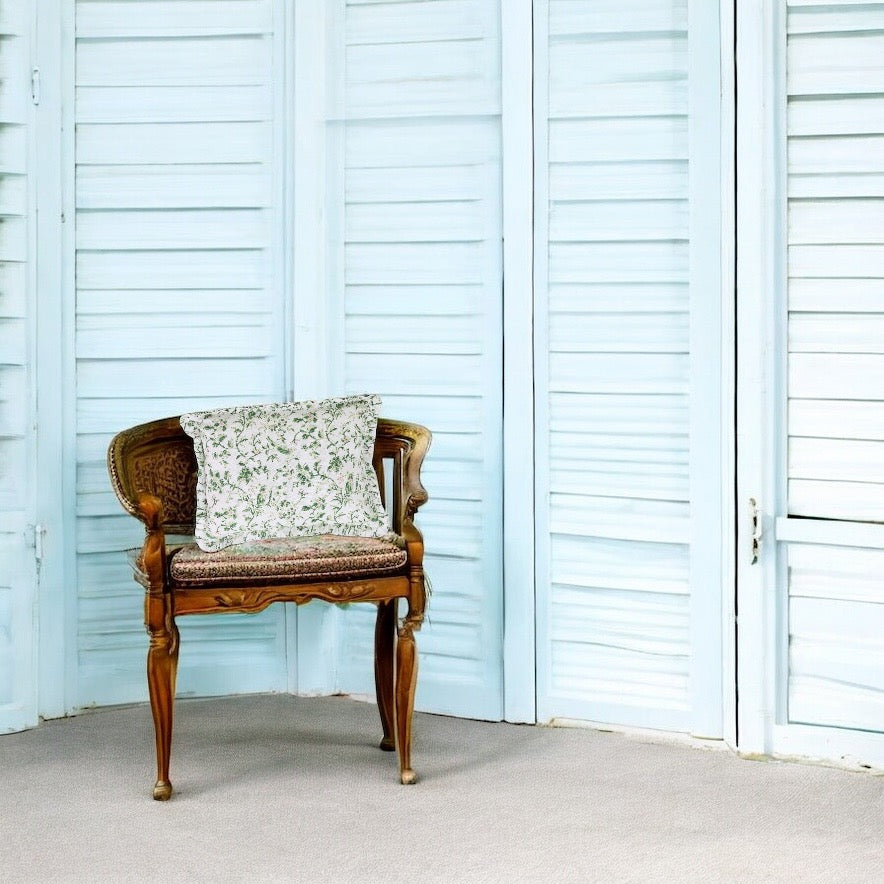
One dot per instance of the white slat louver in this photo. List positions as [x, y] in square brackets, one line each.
[835, 86]
[179, 295]
[615, 644]
[421, 276]
[17, 571]
[836, 261]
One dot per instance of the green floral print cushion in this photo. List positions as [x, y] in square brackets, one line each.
[287, 470]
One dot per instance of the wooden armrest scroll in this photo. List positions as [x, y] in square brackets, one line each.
[150, 509]
[415, 493]
[153, 553]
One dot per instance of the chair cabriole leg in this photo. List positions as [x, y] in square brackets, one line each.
[162, 667]
[384, 640]
[406, 679]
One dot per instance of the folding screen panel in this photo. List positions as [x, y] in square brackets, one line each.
[835, 382]
[417, 269]
[18, 536]
[621, 634]
[179, 290]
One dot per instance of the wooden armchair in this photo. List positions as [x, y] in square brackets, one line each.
[154, 473]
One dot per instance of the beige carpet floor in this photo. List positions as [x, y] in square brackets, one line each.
[283, 789]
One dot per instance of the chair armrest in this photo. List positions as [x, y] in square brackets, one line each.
[156, 458]
[407, 444]
[149, 508]
[415, 494]
[414, 542]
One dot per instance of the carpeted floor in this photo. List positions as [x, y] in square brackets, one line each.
[277, 788]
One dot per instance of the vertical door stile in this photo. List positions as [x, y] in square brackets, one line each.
[318, 270]
[759, 204]
[542, 536]
[310, 252]
[518, 513]
[711, 347]
[55, 375]
[728, 385]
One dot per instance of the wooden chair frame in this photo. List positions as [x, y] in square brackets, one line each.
[153, 472]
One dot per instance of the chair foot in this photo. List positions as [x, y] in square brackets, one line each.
[388, 744]
[409, 777]
[162, 791]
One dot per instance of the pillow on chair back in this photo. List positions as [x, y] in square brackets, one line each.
[291, 469]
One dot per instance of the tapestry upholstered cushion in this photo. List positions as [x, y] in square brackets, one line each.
[292, 469]
[288, 559]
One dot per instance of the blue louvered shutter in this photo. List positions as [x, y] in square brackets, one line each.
[179, 291]
[420, 309]
[18, 578]
[835, 385]
[618, 628]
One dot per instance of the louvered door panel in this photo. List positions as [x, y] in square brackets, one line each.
[179, 298]
[421, 281]
[17, 561]
[614, 638]
[836, 262]
[835, 113]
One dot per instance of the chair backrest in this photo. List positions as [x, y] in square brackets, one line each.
[158, 458]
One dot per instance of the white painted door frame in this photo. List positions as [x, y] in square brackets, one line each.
[712, 341]
[759, 230]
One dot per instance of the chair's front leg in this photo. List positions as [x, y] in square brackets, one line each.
[162, 668]
[406, 679]
[406, 672]
[384, 640]
[406, 649]
[162, 655]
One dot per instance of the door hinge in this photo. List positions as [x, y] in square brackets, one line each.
[34, 537]
[35, 85]
[755, 515]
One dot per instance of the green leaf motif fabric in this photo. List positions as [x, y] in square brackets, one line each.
[293, 469]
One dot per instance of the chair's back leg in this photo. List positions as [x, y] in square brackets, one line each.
[384, 640]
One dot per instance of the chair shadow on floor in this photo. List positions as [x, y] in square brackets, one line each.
[314, 740]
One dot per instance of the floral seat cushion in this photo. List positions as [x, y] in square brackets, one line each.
[287, 560]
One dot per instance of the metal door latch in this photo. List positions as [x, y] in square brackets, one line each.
[756, 529]
[34, 538]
